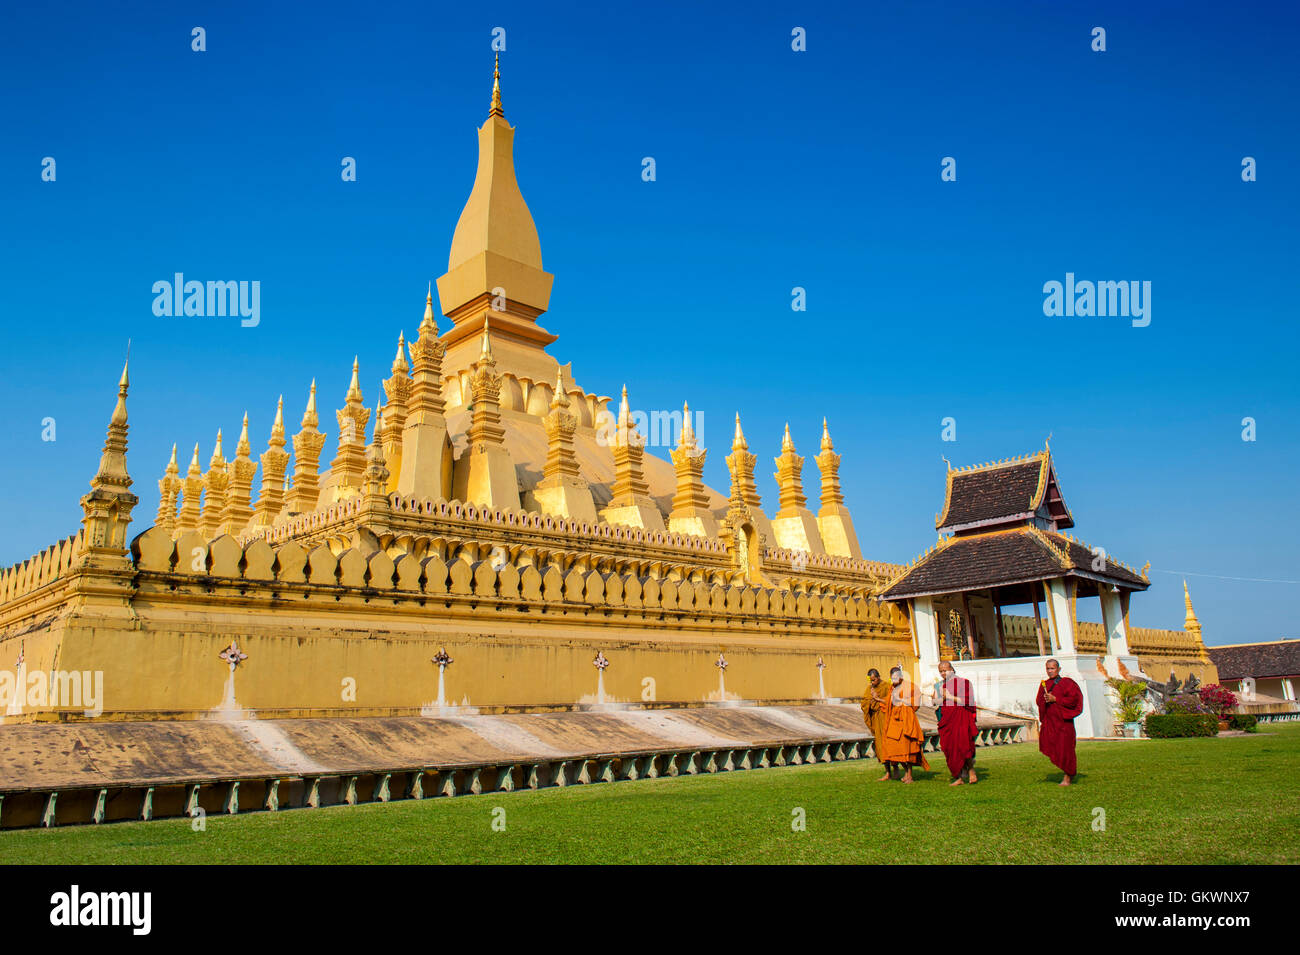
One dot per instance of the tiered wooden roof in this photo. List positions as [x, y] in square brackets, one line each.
[1004, 519]
[1003, 492]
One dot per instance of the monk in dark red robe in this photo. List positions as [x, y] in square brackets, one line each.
[1059, 701]
[957, 729]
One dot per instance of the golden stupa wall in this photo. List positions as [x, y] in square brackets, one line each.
[1158, 651]
[350, 633]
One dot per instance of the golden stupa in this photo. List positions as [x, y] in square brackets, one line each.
[487, 506]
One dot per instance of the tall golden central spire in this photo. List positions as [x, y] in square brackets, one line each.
[496, 219]
[495, 265]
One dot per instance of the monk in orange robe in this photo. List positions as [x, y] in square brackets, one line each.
[903, 739]
[1059, 701]
[875, 711]
[957, 726]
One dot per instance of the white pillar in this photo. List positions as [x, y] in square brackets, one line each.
[1288, 689]
[927, 638]
[1113, 620]
[1059, 613]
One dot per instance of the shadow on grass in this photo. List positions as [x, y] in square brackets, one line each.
[1056, 777]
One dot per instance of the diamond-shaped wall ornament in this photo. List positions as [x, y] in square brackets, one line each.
[233, 655]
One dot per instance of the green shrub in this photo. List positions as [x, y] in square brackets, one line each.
[1243, 721]
[1130, 699]
[1172, 725]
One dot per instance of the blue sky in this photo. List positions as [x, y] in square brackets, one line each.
[775, 169]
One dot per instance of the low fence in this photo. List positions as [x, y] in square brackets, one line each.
[230, 796]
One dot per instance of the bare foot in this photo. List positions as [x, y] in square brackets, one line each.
[971, 777]
[956, 782]
[908, 778]
[1065, 780]
[885, 778]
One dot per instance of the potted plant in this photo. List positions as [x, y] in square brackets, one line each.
[1129, 705]
[1219, 700]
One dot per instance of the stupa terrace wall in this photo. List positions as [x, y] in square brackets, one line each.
[1158, 651]
[314, 622]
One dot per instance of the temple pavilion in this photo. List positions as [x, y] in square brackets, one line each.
[1003, 544]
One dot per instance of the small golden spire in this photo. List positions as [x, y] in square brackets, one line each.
[218, 459]
[738, 442]
[485, 353]
[624, 412]
[194, 463]
[119, 410]
[496, 109]
[277, 426]
[242, 449]
[1190, 622]
[310, 419]
[688, 430]
[376, 442]
[560, 399]
[354, 388]
[428, 324]
[172, 467]
[786, 443]
[826, 437]
[400, 367]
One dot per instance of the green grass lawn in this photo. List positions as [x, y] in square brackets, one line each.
[1231, 800]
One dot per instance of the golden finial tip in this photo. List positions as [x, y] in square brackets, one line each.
[496, 109]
